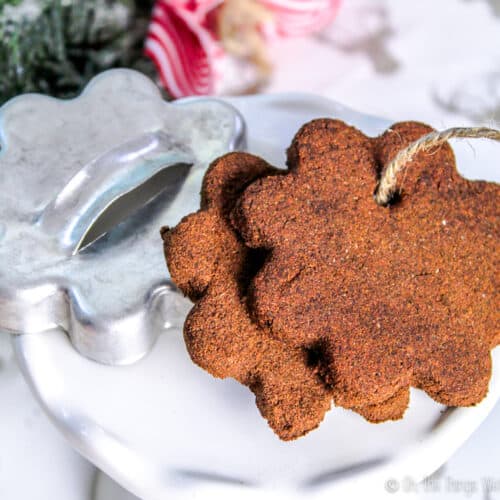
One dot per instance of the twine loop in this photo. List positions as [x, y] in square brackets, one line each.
[387, 185]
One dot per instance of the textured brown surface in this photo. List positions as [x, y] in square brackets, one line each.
[388, 297]
[211, 265]
[328, 294]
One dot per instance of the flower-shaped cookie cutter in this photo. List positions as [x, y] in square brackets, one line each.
[68, 172]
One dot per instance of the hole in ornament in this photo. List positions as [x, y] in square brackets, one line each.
[166, 184]
[393, 200]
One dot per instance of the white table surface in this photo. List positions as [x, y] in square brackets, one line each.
[437, 62]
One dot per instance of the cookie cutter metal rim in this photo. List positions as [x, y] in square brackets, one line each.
[46, 304]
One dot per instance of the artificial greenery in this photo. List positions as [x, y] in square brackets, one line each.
[9, 2]
[57, 46]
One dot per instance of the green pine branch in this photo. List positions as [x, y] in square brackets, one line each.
[3, 3]
[69, 42]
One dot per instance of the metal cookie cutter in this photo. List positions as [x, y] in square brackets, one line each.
[85, 186]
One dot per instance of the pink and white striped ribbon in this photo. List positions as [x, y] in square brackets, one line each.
[184, 47]
[301, 17]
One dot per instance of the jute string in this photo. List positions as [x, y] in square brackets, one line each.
[387, 185]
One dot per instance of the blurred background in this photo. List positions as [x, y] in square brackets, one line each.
[438, 62]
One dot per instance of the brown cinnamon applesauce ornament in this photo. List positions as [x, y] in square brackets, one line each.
[308, 290]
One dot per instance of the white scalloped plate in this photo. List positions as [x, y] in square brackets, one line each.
[163, 428]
